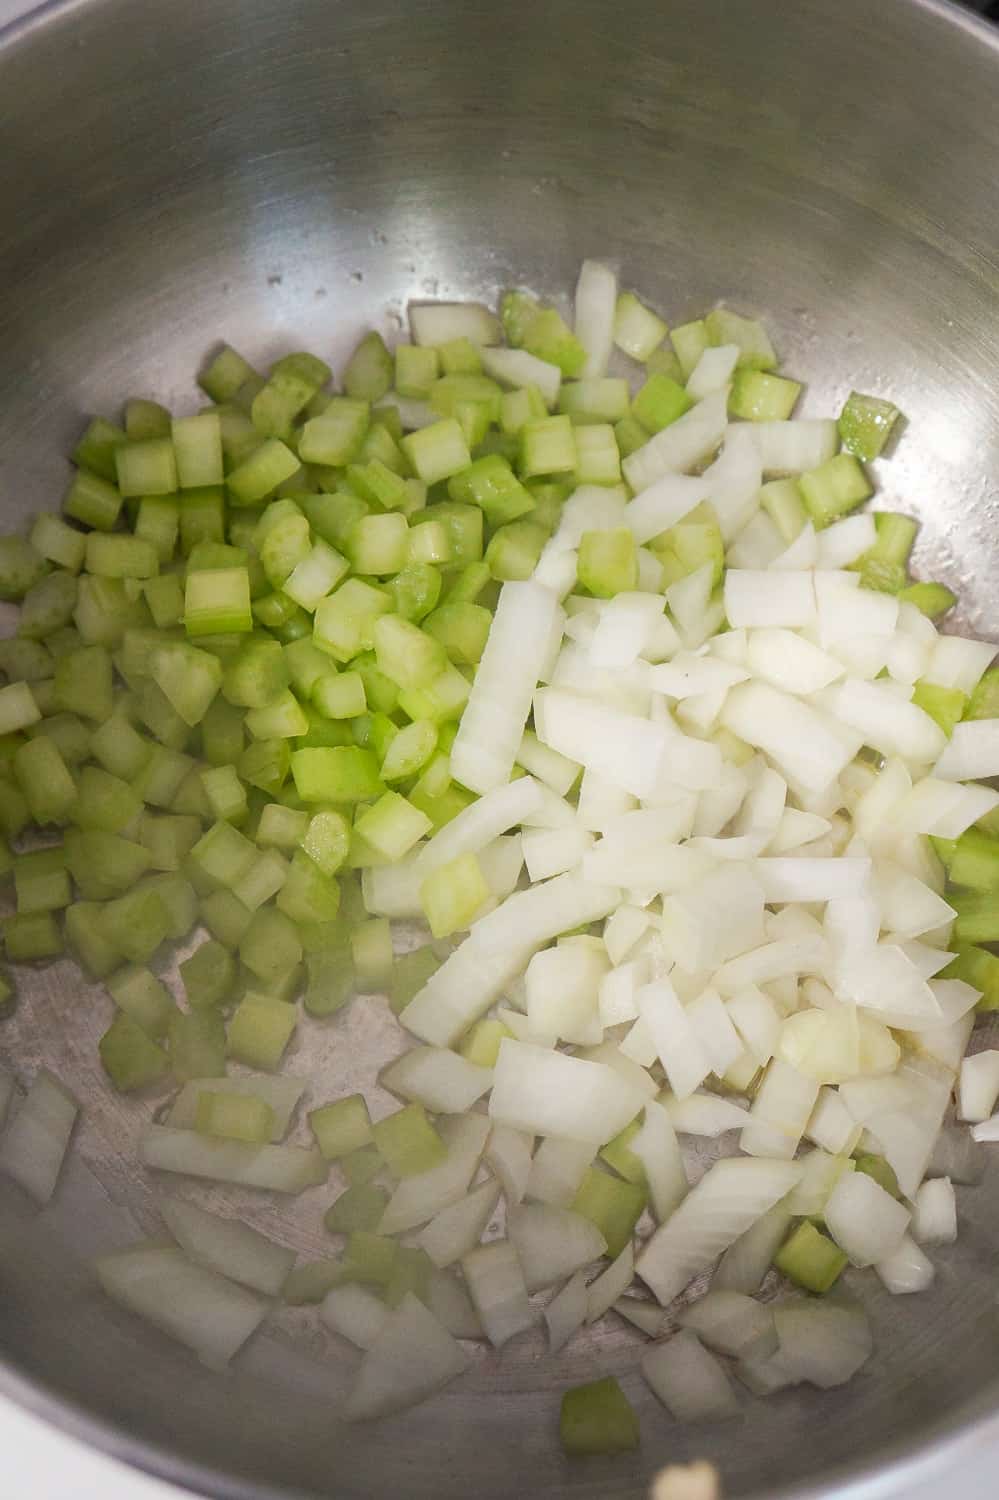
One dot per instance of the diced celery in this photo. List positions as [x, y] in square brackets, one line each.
[755, 349]
[359, 1208]
[336, 774]
[147, 467]
[105, 801]
[359, 1167]
[977, 916]
[513, 552]
[520, 407]
[438, 451]
[598, 460]
[689, 342]
[308, 895]
[451, 391]
[86, 941]
[618, 1154]
[452, 895]
[979, 968]
[311, 1282]
[371, 1257]
[89, 499]
[18, 708]
[281, 827]
[136, 923]
[810, 1259]
[762, 398]
[63, 545]
[975, 861]
[429, 543]
[881, 1171]
[416, 369]
[612, 1204]
[234, 1117]
[197, 1045]
[217, 601]
[103, 864]
[41, 882]
[226, 918]
[162, 775]
[326, 840]
[208, 975]
[48, 605]
[866, 423]
[202, 517]
[344, 622]
[270, 946]
[260, 474]
[45, 780]
[416, 589]
[547, 446]
[598, 1418]
[599, 399]
[260, 1030]
[608, 562]
[931, 599]
[330, 981]
[129, 1056]
[164, 596]
[223, 854]
[884, 566]
[481, 1045]
[408, 1142]
[282, 719]
[945, 706]
[369, 371]
[224, 375]
[169, 838]
[409, 751]
[371, 952]
[410, 972]
[834, 488]
[197, 444]
[491, 484]
[139, 994]
[341, 1127]
[637, 330]
[660, 402]
[267, 875]
[95, 450]
[146, 419]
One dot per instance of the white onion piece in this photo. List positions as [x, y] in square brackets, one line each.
[612, 1284]
[648, 1317]
[617, 998]
[355, 1313]
[439, 1079]
[803, 552]
[566, 1312]
[484, 820]
[804, 744]
[733, 482]
[731, 1196]
[688, 441]
[553, 851]
[934, 1213]
[227, 1246]
[713, 371]
[622, 747]
[907, 1269]
[987, 1131]
[508, 1152]
[662, 504]
[195, 1306]
[552, 1243]
[450, 1303]
[433, 323]
[820, 1173]
[690, 924]
[280, 1169]
[776, 960]
[844, 541]
[866, 1222]
[550, 768]
[492, 725]
[516, 367]
[688, 1380]
[412, 1357]
[791, 447]
[34, 1145]
[784, 1101]
[810, 880]
[714, 1030]
[496, 1285]
[765, 1377]
[732, 1323]
[595, 304]
[979, 1086]
[956, 662]
[824, 1343]
[886, 722]
[627, 626]
[756, 1020]
[458, 1228]
[549, 1093]
[419, 1198]
[706, 1115]
[623, 929]
[764, 599]
[749, 1258]
[658, 1150]
[557, 1169]
[677, 1044]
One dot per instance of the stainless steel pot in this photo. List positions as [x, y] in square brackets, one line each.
[290, 173]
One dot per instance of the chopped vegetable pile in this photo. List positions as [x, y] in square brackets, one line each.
[615, 690]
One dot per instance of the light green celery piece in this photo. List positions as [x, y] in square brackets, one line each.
[162, 775]
[202, 517]
[326, 840]
[223, 855]
[598, 459]
[481, 1044]
[379, 545]
[316, 575]
[378, 484]
[89, 499]
[452, 391]
[103, 865]
[459, 357]
[225, 917]
[330, 981]
[411, 1274]
[977, 918]
[336, 774]
[221, 732]
[452, 895]
[284, 544]
[416, 369]
[608, 562]
[612, 1204]
[697, 540]
[225, 374]
[178, 898]
[14, 811]
[594, 399]
[518, 407]
[441, 700]
[209, 975]
[371, 1257]
[279, 400]
[359, 1208]
[491, 484]
[260, 474]
[95, 450]
[637, 330]
[618, 1154]
[931, 599]
[105, 801]
[689, 342]
[164, 596]
[945, 706]
[755, 349]
[197, 1045]
[104, 611]
[257, 673]
[45, 780]
[270, 946]
[234, 1117]
[369, 371]
[58, 543]
[547, 336]
[217, 601]
[984, 700]
[464, 524]
[866, 424]
[547, 446]
[146, 419]
[660, 402]
[344, 622]
[834, 489]
[410, 750]
[663, 361]
[129, 1055]
[473, 417]
[757, 397]
[308, 894]
[284, 718]
[810, 1259]
[197, 444]
[304, 665]
[41, 882]
[415, 590]
[979, 968]
[225, 792]
[881, 1171]
[48, 605]
[18, 708]
[885, 565]
[260, 1031]
[189, 679]
[514, 550]
[281, 827]
[974, 861]
[342, 1127]
[438, 451]
[781, 499]
[405, 653]
[334, 438]
[429, 541]
[26, 661]
[139, 994]
[309, 1284]
[33, 935]
[410, 972]
[85, 941]
[598, 1418]
[147, 467]
[169, 837]
[371, 954]
[263, 880]
[408, 1142]
[136, 923]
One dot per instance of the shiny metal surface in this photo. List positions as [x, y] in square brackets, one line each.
[287, 173]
